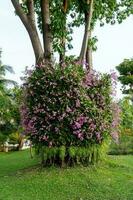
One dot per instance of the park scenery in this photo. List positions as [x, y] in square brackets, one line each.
[66, 128]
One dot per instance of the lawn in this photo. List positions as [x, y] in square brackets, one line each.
[21, 178]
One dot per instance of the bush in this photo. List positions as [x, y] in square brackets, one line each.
[124, 147]
[68, 113]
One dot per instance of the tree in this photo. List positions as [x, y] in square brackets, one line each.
[67, 112]
[17, 135]
[7, 108]
[4, 82]
[10, 126]
[127, 116]
[126, 76]
[6, 120]
[3, 70]
[52, 19]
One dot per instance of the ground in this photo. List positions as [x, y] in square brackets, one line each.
[22, 178]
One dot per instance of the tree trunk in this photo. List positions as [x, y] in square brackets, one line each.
[63, 42]
[20, 144]
[47, 34]
[28, 21]
[65, 5]
[87, 31]
[89, 60]
[31, 153]
[62, 54]
[37, 47]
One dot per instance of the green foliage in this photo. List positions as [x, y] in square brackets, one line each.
[9, 114]
[4, 82]
[62, 152]
[127, 116]
[92, 42]
[64, 19]
[15, 138]
[7, 108]
[126, 75]
[72, 155]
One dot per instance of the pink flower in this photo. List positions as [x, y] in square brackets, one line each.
[98, 136]
[80, 136]
[93, 126]
[45, 138]
[115, 136]
[68, 110]
[114, 75]
[77, 103]
[76, 125]
[81, 120]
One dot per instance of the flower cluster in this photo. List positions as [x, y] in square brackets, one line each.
[69, 107]
[114, 79]
[116, 113]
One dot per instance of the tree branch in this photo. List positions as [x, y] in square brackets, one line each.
[87, 30]
[89, 60]
[30, 26]
[65, 5]
[30, 6]
[19, 12]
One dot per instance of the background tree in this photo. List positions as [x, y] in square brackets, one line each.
[16, 136]
[10, 117]
[6, 120]
[125, 70]
[3, 69]
[8, 110]
[125, 145]
[127, 116]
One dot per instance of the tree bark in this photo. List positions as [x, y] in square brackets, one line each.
[89, 59]
[63, 39]
[47, 34]
[65, 5]
[31, 153]
[62, 54]
[20, 143]
[87, 30]
[28, 21]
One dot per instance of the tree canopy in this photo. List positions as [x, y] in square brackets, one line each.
[57, 18]
[8, 110]
[127, 116]
[126, 75]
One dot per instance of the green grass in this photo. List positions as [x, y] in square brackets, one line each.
[22, 179]
[11, 163]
